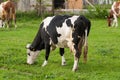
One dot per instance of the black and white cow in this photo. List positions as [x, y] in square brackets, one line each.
[63, 32]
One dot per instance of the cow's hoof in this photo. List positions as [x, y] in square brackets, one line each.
[74, 70]
[44, 64]
[63, 63]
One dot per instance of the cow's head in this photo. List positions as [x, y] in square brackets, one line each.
[31, 54]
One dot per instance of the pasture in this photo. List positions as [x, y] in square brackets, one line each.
[103, 55]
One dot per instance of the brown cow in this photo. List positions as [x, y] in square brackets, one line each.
[114, 13]
[7, 13]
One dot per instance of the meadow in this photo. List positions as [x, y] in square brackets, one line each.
[103, 55]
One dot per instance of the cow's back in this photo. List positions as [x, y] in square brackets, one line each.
[9, 5]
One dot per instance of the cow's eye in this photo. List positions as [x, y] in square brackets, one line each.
[29, 54]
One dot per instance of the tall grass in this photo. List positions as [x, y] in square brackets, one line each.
[103, 57]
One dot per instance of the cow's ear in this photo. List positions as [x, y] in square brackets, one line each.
[28, 46]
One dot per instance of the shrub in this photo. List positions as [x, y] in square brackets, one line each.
[98, 13]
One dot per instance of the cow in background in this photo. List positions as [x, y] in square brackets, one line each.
[63, 32]
[7, 13]
[113, 14]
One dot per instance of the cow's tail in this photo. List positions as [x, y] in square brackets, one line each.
[85, 46]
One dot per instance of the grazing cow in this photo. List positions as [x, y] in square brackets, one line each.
[63, 32]
[114, 13]
[7, 13]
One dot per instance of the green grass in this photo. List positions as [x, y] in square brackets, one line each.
[103, 55]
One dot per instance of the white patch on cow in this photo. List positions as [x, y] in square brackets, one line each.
[73, 19]
[44, 63]
[1, 9]
[75, 66]
[47, 21]
[1, 24]
[4, 3]
[63, 61]
[31, 55]
[115, 21]
[62, 40]
[85, 44]
[65, 40]
[1, 12]
[113, 8]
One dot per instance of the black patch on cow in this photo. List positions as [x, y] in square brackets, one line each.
[57, 21]
[45, 37]
[59, 35]
[69, 24]
[80, 25]
[37, 40]
[86, 22]
[41, 46]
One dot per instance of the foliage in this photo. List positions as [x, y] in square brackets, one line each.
[103, 55]
[100, 12]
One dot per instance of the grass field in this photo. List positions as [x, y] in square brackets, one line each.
[103, 55]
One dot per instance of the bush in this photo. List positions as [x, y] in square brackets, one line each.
[100, 12]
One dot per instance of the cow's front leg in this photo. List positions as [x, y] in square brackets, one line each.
[76, 58]
[62, 55]
[8, 21]
[47, 47]
[115, 21]
[14, 19]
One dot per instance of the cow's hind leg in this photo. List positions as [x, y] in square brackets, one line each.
[80, 45]
[47, 47]
[62, 55]
[85, 53]
[115, 21]
[14, 20]
[85, 47]
[76, 58]
[8, 23]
